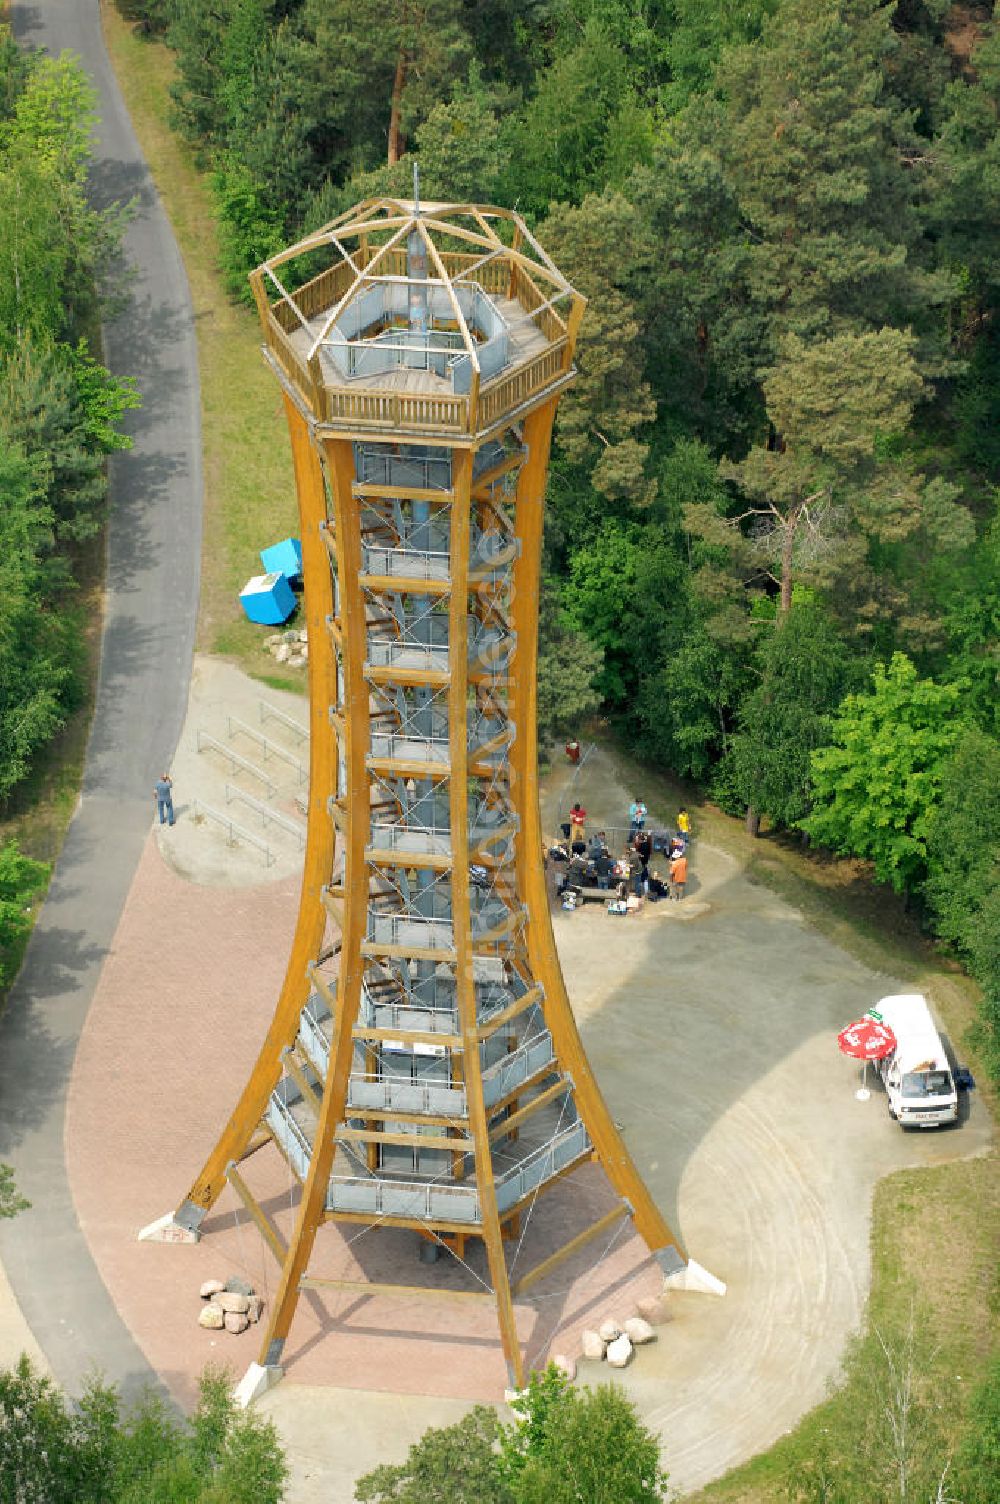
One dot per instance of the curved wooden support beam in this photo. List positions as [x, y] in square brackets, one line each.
[458, 627]
[319, 852]
[607, 1141]
[340, 460]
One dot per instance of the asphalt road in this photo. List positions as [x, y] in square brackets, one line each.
[154, 541]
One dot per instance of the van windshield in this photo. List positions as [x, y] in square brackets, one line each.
[927, 1084]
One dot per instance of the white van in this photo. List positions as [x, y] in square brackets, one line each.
[918, 1080]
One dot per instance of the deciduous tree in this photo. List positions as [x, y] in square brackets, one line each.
[569, 1445]
[601, 249]
[451, 1465]
[805, 670]
[876, 787]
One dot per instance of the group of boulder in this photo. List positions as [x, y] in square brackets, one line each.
[230, 1306]
[613, 1342]
[290, 648]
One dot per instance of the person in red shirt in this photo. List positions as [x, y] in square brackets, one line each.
[577, 825]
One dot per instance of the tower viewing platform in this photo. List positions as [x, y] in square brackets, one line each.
[437, 319]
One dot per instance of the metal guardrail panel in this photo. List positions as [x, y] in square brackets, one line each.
[236, 832]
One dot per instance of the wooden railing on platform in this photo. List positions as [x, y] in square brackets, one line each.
[492, 276]
[320, 295]
[508, 392]
[403, 410]
[288, 357]
[526, 291]
[416, 412]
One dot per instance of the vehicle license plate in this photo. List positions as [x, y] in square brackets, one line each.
[926, 1117]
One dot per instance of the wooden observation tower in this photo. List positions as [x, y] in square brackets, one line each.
[423, 1068]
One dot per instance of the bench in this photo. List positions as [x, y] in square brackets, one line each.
[595, 895]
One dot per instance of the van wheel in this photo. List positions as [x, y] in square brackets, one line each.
[890, 1111]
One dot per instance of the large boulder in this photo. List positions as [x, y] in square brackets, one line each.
[619, 1352]
[593, 1345]
[237, 1286]
[638, 1331]
[565, 1366]
[655, 1310]
[211, 1287]
[610, 1329]
[236, 1322]
[231, 1300]
[212, 1316]
[256, 1307]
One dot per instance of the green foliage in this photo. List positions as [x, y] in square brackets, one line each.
[21, 880]
[62, 407]
[569, 666]
[94, 1453]
[598, 247]
[460, 148]
[152, 15]
[534, 1414]
[805, 670]
[699, 36]
[10, 1201]
[963, 848]
[104, 400]
[561, 142]
[59, 408]
[565, 1446]
[453, 1465]
[625, 591]
[685, 707]
[977, 1466]
[569, 1445]
[249, 228]
[963, 882]
[876, 787]
[39, 647]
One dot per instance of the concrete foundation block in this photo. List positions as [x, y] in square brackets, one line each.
[694, 1277]
[256, 1381]
[166, 1230]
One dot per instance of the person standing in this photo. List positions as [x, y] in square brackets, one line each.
[684, 824]
[163, 795]
[644, 851]
[678, 875]
[577, 825]
[636, 817]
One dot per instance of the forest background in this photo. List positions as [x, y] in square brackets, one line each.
[773, 546]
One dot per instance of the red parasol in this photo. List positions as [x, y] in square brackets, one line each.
[868, 1039]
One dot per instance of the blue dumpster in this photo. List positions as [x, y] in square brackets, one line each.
[268, 598]
[283, 558]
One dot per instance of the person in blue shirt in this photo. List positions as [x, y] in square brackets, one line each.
[163, 794]
[636, 817]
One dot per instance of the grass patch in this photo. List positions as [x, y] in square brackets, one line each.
[934, 1238]
[248, 479]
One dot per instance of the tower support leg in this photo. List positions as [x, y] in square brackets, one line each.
[611, 1150]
